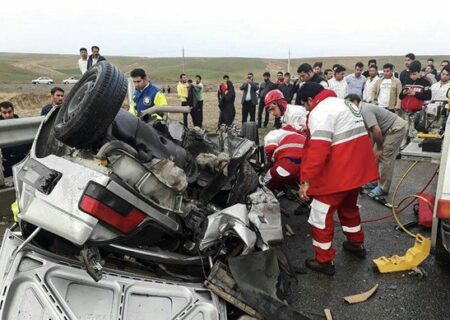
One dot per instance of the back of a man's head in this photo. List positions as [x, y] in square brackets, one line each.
[138, 73]
[305, 67]
[309, 90]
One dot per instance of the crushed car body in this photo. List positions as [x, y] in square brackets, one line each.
[117, 192]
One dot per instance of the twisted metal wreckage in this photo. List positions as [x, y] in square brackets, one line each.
[165, 219]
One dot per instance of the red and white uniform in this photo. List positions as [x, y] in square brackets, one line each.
[294, 117]
[285, 149]
[338, 159]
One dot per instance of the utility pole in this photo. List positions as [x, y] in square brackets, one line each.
[183, 63]
[289, 61]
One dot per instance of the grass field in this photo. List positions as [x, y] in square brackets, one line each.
[18, 69]
[22, 68]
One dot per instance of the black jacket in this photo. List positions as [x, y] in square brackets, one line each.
[265, 88]
[46, 109]
[253, 89]
[226, 100]
[89, 64]
[287, 90]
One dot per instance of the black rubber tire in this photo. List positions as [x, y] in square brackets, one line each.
[441, 254]
[91, 105]
[249, 130]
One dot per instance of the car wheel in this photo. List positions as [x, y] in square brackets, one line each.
[91, 106]
[249, 130]
[441, 254]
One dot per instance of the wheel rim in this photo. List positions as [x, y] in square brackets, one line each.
[78, 99]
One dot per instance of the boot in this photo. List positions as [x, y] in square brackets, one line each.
[325, 268]
[356, 249]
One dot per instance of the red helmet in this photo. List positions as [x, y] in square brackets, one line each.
[271, 97]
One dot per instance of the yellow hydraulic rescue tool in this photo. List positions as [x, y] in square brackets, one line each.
[422, 246]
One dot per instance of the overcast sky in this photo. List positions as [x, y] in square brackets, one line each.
[236, 28]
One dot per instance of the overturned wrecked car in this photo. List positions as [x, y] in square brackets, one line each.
[128, 218]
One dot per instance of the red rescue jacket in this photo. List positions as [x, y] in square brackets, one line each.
[284, 143]
[338, 154]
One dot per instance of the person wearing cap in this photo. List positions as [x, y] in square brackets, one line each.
[338, 83]
[337, 160]
[412, 98]
[291, 116]
[284, 147]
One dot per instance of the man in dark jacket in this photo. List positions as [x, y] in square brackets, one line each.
[226, 97]
[264, 88]
[306, 73]
[13, 154]
[286, 87]
[94, 57]
[404, 75]
[249, 98]
[415, 92]
[57, 94]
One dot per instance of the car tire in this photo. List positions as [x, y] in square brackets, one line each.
[249, 130]
[441, 254]
[91, 106]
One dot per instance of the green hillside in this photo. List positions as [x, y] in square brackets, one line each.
[22, 68]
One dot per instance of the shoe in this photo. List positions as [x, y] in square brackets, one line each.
[370, 186]
[325, 268]
[377, 193]
[356, 249]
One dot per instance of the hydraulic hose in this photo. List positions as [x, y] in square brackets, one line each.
[414, 196]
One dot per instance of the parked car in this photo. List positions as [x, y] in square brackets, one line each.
[157, 214]
[42, 80]
[71, 80]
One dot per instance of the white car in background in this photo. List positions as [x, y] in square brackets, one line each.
[71, 80]
[42, 80]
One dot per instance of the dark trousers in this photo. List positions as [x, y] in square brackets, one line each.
[260, 111]
[185, 115]
[226, 115]
[248, 108]
[197, 114]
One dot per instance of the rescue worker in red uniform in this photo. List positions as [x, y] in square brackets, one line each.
[292, 117]
[284, 146]
[337, 160]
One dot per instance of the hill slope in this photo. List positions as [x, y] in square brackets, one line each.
[22, 68]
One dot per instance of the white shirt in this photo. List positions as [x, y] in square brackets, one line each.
[339, 87]
[439, 91]
[94, 61]
[385, 92]
[367, 93]
[248, 96]
[82, 64]
[295, 116]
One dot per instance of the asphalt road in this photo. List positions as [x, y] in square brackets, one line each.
[399, 295]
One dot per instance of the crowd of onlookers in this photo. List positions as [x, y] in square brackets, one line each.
[404, 92]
